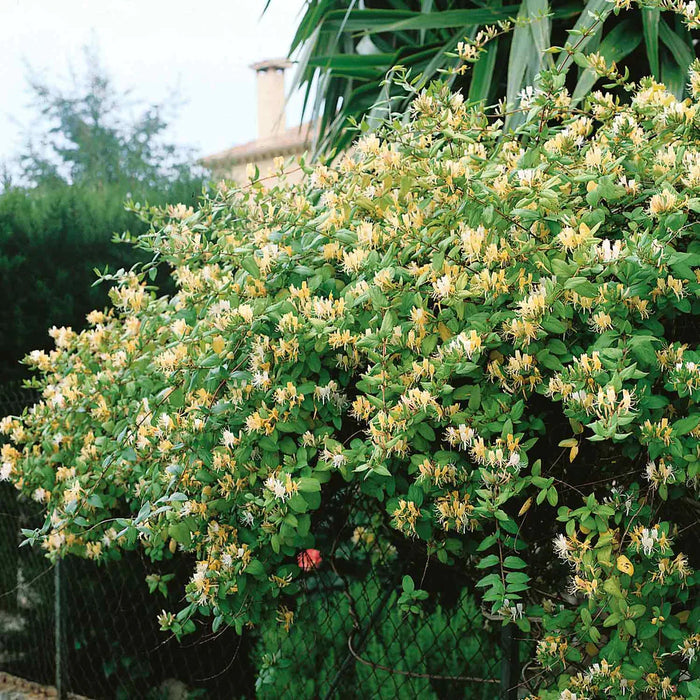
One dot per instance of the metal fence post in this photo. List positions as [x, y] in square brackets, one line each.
[59, 631]
[510, 664]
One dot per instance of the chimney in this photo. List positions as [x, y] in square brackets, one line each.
[271, 117]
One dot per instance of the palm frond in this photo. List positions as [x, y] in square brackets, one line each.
[345, 49]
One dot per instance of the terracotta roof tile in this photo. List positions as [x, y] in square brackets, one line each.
[292, 139]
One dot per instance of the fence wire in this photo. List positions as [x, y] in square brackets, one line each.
[90, 629]
[352, 632]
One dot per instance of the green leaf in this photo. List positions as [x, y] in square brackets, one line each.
[251, 267]
[381, 470]
[562, 269]
[517, 577]
[489, 580]
[553, 325]
[632, 672]
[482, 74]
[447, 19]
[650, 24]
[612, 620]
[488, 561]
[643, 350]
[530, 39]
[255, 568]
[462, 392]
[582, 286]
[95, 500]
[637, 610]
[686, 425]
[523, 624]
[314, 362]
[354, 64]
[681, 52]
[180, 532]
[426, 431]
[309, 484]
[298, 503]
[475, 398]
[487, 542]
[612, 587]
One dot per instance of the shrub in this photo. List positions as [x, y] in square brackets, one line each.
[51, 240]
[490, 334]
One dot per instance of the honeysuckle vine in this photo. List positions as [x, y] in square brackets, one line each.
[474, 327]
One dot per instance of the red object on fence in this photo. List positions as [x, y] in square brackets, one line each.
[309, 559]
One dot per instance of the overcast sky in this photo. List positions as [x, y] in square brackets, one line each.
[201, 47]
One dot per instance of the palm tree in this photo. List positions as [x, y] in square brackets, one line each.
[348, 50]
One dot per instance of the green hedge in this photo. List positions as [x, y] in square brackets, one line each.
[51, 239]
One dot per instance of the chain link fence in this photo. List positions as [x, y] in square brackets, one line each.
[357, 629]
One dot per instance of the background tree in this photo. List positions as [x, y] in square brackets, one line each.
[91, 132]
[91, 148]
[347, 48]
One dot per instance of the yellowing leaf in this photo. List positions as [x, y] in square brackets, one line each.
[569, 442]
[576, 426]
[592, 185]
[444, 331]
[525, 507]
[572, 453]
[218, 344]
[683, 616]
[625, 565]
[591, 649]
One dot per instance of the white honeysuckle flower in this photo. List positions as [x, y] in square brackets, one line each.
[561, 546]
[228, 439]
[5, 471]
[277, 487]
[442, 287]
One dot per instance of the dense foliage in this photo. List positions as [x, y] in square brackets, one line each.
[491, 335]
[51, 240]
[346, 48]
